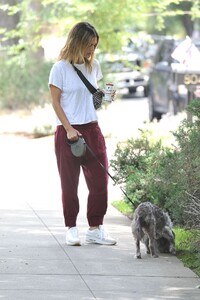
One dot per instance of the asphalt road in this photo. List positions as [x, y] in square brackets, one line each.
[122, 118]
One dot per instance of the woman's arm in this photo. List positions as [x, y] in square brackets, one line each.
[72, 133]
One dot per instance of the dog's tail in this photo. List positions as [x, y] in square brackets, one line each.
[137, 228]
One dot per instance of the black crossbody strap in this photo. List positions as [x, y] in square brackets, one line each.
[90, 87]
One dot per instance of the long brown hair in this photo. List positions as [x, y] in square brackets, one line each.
[78, 39]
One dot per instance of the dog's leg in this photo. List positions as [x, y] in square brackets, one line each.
[138, 253]
[152, 241]
[137, 233]
[146, 242]
[152, 246]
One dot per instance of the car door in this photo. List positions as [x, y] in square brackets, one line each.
[160, 77]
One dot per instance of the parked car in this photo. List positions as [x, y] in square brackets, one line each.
[125, 72]
[168, 91]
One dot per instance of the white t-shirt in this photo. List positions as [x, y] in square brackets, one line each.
[76, 99]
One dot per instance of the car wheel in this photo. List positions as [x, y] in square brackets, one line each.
[132, 90]
[152, 113]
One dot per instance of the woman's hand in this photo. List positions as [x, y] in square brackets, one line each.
[73, 134]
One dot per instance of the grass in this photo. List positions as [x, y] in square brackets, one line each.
[188, 248]
[123, 207]
[187, 240]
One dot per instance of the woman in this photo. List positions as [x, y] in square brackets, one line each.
[76, 116]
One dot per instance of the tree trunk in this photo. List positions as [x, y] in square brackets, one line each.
[9, 22]
[188, 24]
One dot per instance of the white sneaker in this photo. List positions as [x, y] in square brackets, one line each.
[72, 237]
[99, 236]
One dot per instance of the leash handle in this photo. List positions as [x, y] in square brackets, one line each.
[125, 194]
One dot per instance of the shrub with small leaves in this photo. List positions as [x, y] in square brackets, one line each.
[166, 176]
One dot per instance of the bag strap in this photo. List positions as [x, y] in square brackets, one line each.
[90, 87]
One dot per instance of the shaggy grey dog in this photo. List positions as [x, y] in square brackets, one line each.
[153, 227]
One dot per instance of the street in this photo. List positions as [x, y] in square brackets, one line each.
[122, 117]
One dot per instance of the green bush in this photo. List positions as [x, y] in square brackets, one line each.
[188, 248]
[188, 163]
[134, 163]
[23, 82]
[168, 177]
[43, 131]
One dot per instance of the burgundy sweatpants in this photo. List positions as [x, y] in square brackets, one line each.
[95, 176]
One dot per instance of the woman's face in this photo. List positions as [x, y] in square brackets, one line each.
[89, 50]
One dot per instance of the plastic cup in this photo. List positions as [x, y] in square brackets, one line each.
[108, 92]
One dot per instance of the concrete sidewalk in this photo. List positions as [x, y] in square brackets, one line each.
[35, 263]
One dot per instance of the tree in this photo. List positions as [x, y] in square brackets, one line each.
[116, 20]
[24, 23]
[182, 15]
[8, 21]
